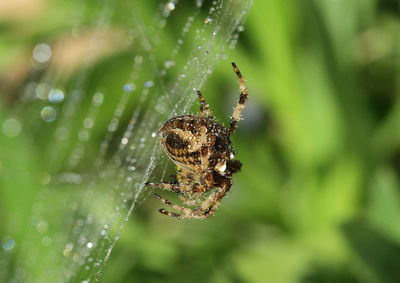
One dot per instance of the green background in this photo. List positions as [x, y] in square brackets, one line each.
[318, 197]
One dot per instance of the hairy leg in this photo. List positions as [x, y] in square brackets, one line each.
[242, 100]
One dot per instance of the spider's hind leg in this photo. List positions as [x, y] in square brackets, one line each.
[204, 106]
[242, 100]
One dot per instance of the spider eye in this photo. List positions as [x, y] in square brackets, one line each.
[175, 141]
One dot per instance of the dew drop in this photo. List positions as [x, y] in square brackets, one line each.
[8, 245]
[83, 135]
[48, 114]
[11, 127]
[76, 257]
[170, 6]
[199, 3]
[207, 20]
[149, 84]
[88, 123]
[42, 53]
[124, 141]
[56, 95]
[42, 226]
[169, 63]
[129, 87]
[42, 91]
[89, 245]
[138, 60]
[154, 134]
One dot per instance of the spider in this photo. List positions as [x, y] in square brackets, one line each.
[201, 148]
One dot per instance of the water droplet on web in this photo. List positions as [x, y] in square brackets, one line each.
[170, 6]
[138, 60]
[98, 98]
[76, 257]
[154, 134]
[8, 245]
[56, 95]
[11, 127]
[48, 114]
[169, 63]
[124, 141]
[83, 135]
[42, 226]
[129, 87]
[112, 127]
[199, 3]
[42, 91]
[89, 245]
[42, 53]
[207, 20]
[149, 84]
[88, 123]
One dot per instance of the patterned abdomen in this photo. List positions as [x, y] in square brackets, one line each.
[194, 142]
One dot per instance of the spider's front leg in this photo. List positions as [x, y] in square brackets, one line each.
[185, 211]
[172, 187]
[242, 100]
[204, 106]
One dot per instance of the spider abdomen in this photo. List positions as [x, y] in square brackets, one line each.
[195, 142]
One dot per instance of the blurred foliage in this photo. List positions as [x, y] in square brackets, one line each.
[318, 198]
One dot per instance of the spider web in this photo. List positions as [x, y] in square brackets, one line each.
[93, 207]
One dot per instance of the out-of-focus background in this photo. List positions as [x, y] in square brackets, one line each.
[318, 197]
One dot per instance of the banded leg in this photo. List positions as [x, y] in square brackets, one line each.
[242, 100]
[206, 209]
[204, 106]
[184, 210]
[190, 202]
[166, 186]
[209, 206]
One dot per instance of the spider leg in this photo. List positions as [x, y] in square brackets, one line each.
[204, 106]
[184, 210]
[205, 210]
[242, 100]
[209, 206]
[177, 188]
[188, 201]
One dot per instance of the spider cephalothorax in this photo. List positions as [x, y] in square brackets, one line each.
[202, 150]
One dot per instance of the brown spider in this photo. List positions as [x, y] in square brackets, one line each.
[201, 149]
